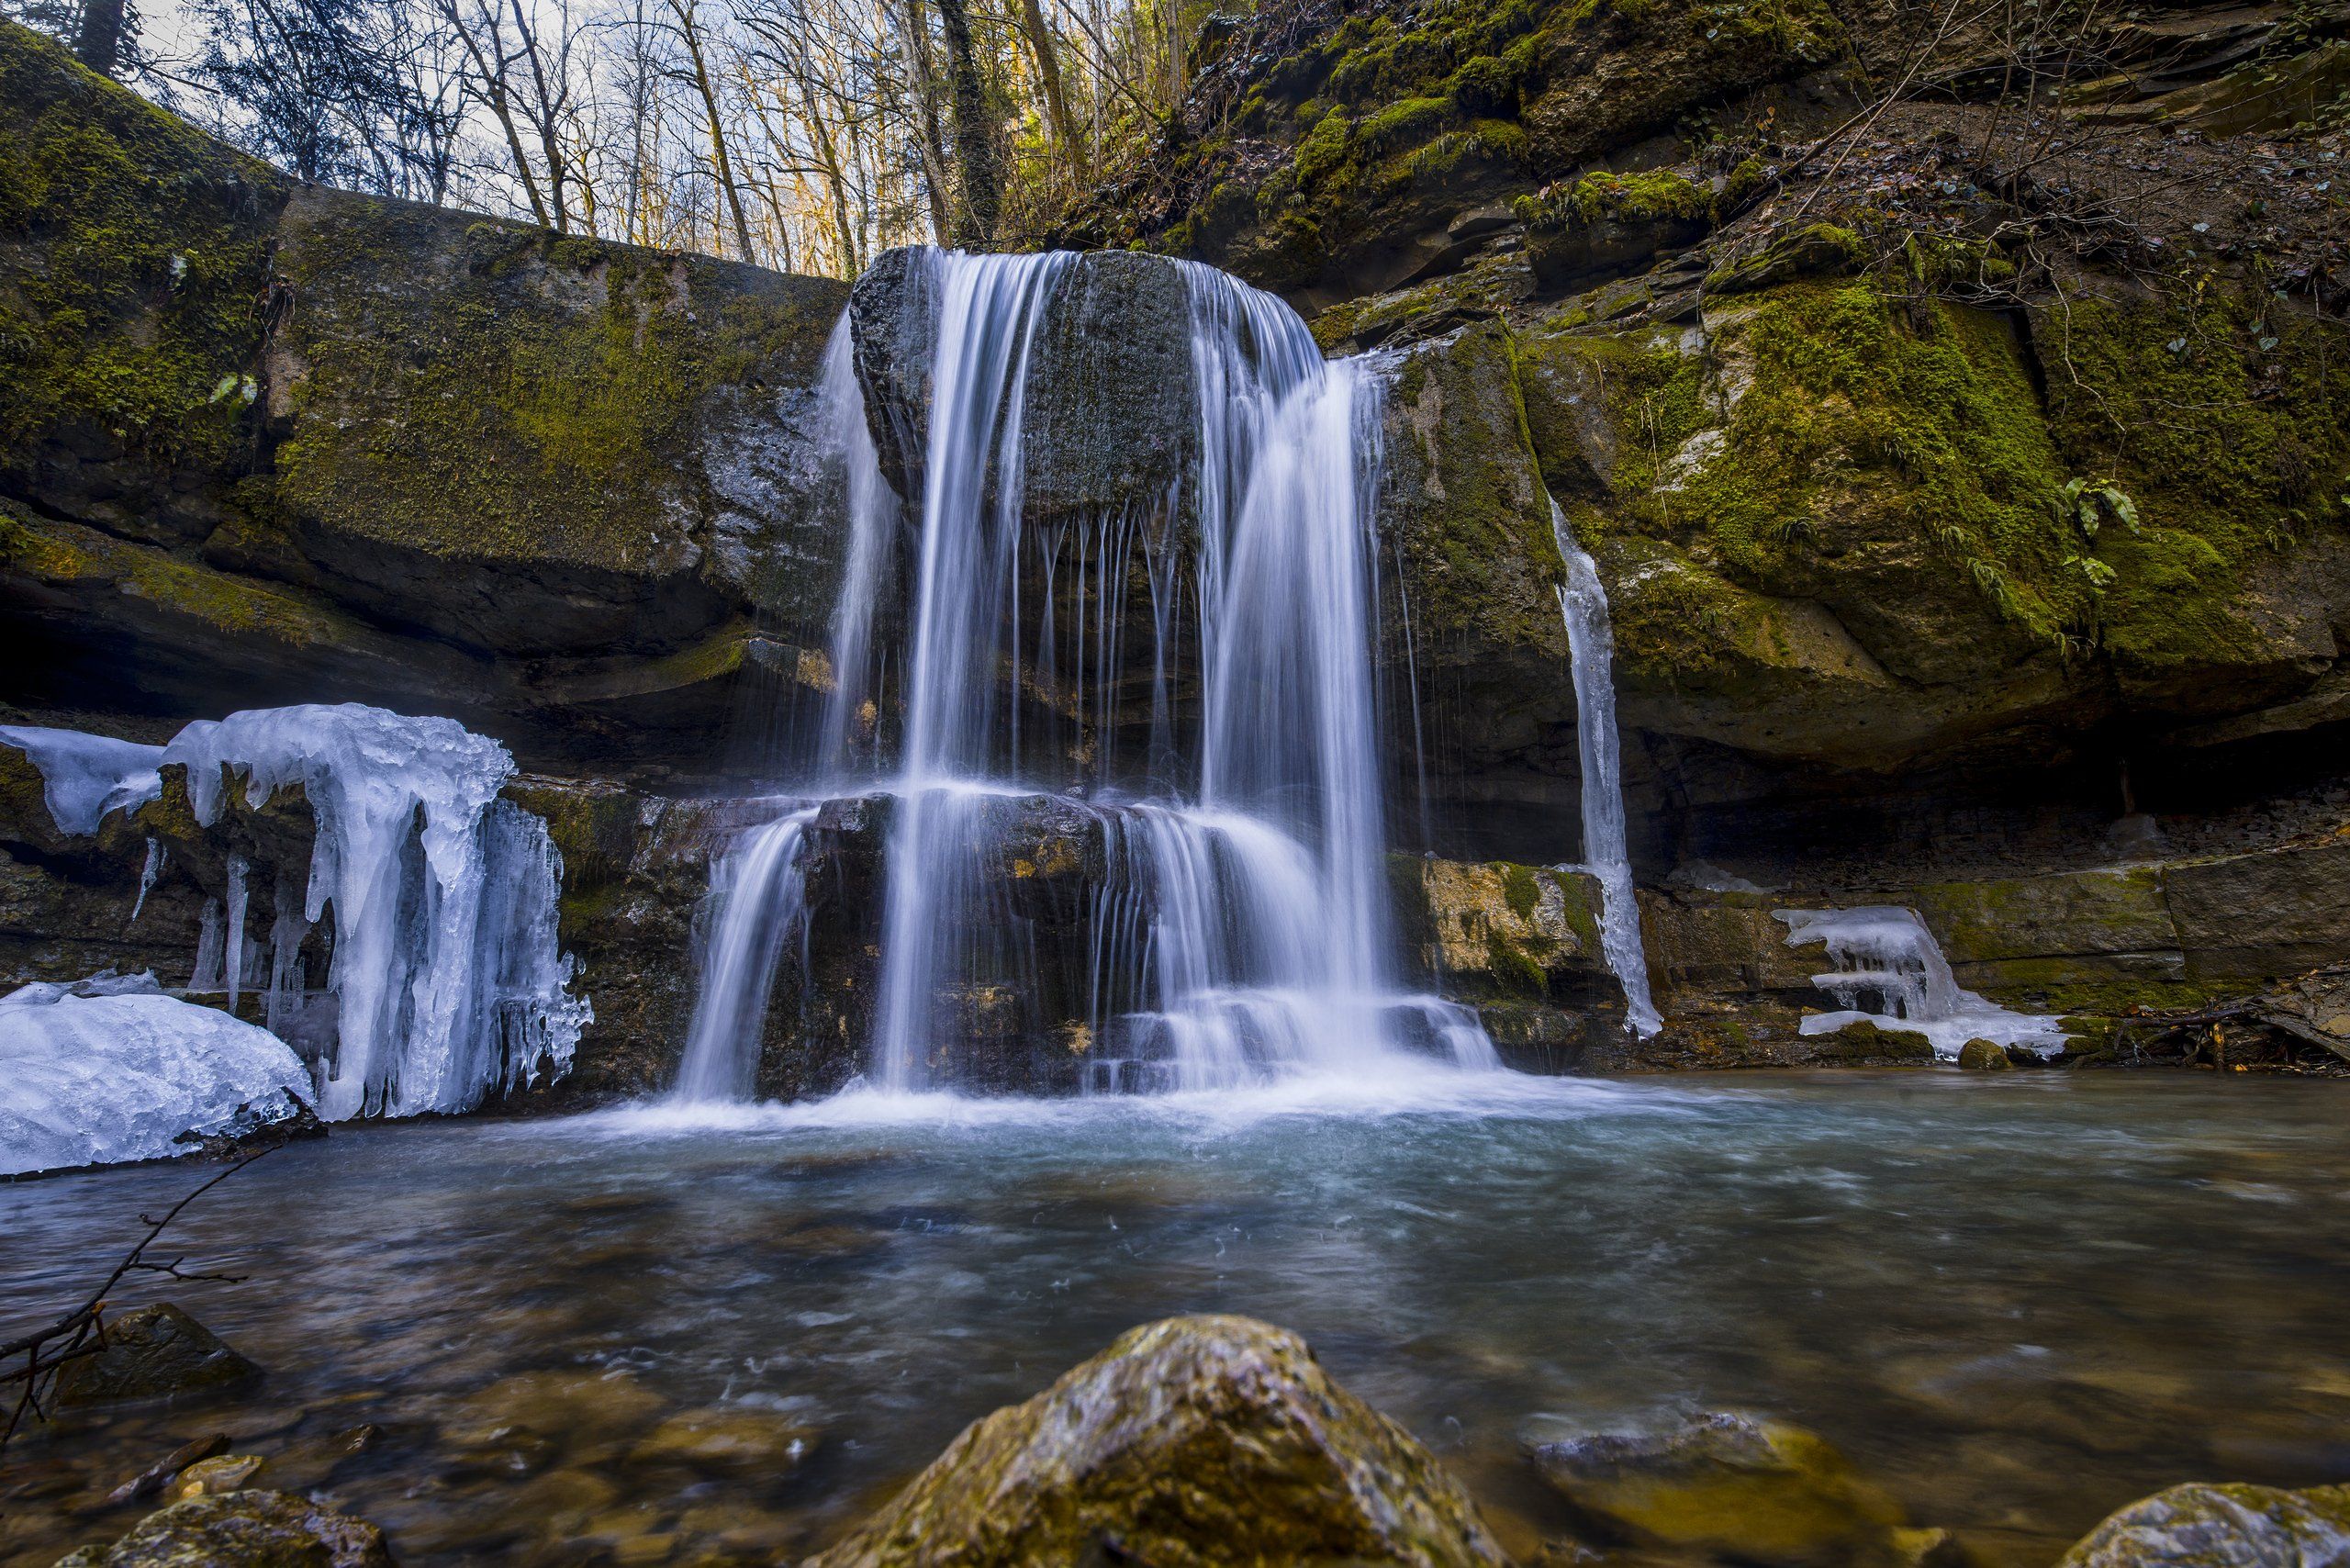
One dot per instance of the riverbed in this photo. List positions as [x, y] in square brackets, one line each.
[2015, 1301]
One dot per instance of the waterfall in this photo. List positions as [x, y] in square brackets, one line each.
[758, 901]
[1248, 899]
[1591, 650]
[1885, 951]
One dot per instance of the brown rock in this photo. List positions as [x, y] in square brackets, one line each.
[1193, 1442]
[246, 1529]
[154, 1352]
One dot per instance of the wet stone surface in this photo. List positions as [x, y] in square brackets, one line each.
[2012, 1303]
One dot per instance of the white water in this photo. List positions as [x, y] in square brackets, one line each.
[1255, 938]
[1591, 649]
[113, 1069]
[757, 902]
[1886, 952]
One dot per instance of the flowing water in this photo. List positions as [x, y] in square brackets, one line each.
[2017, 1302]
[1606, 851]
[1245, 932]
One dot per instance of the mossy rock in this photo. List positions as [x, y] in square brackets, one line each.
[2229, 1526]
[1748, 1490]
[154, 1352]
[133, 247]
[557, 422]
[1190, 1442]
[252, 1529]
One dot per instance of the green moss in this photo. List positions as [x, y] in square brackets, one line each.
[1661, 196]
[1520, 892]
[1409, 121]
[1511, 968]
[544, 402]
[2225, 417]
[1323, 150]
[1928, 413]
[138, 248]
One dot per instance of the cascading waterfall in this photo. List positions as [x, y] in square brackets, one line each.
[757, 902]
[1243, 931]
[1590, 652]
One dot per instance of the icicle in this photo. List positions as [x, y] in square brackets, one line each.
[1591, 650]
[233, 947]
[206, 977]
[281, 1011]
[147, 875]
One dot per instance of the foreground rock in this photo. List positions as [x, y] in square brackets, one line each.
[1190, 1442]
[2201, 1526]
[251, 1529]
[1760, 1492]
[154, 1352]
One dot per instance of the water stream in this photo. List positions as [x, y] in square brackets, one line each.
[2016, 1301]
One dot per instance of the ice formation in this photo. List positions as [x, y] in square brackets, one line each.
[84, 777]
[445, 980]
[112, 1069]
[445, 973]
[1886, 950]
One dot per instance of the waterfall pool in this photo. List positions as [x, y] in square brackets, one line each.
[2016, 1302]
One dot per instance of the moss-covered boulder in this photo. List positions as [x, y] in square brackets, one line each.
[252, 1530]
[2230, 1526]
[154, 1352]
[1189, 1443]
[1741, 1488]
[1110, 404]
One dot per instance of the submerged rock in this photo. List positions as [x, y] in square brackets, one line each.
[2202, 1525]
[1761, 1492]
[1189, 1442]
[154, 1352]
[728, 1439]
[251, 1529]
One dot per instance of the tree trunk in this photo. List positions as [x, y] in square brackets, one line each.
[720, 165]
[97, 43]
[931, 144]
[974, 149]
[1048, 76]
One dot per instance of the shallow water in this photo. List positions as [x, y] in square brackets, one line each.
[2017, 1302]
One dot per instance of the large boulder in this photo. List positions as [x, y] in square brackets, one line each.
[251, 1529]
[1191, 1442]
[2230, 1526]
[153, 1352]
[1110, 416]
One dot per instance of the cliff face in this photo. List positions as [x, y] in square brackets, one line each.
[1964, 528]
[321, 445]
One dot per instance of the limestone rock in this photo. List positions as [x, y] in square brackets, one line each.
[1191, 1442]
[248, 1529]
[1864, 1044]
[154, 1352]
[2231, 1525]
[1756, 1491]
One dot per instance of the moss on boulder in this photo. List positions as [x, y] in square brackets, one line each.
[2230, 1526]
[1189, 1442]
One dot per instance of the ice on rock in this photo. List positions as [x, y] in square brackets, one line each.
[84, 777]
[112, 1069]
[1885, 950]
[445, 972]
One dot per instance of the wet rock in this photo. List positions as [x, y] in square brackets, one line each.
[211, 1478]
[523, 1424]
[1984, 1056]
[149, 1481]
[1758, 1491]
[154, 1352]
[249, 1529]
[1189, 1442]
[2201, 1526]
[1863, 1044]
[729, 1439]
